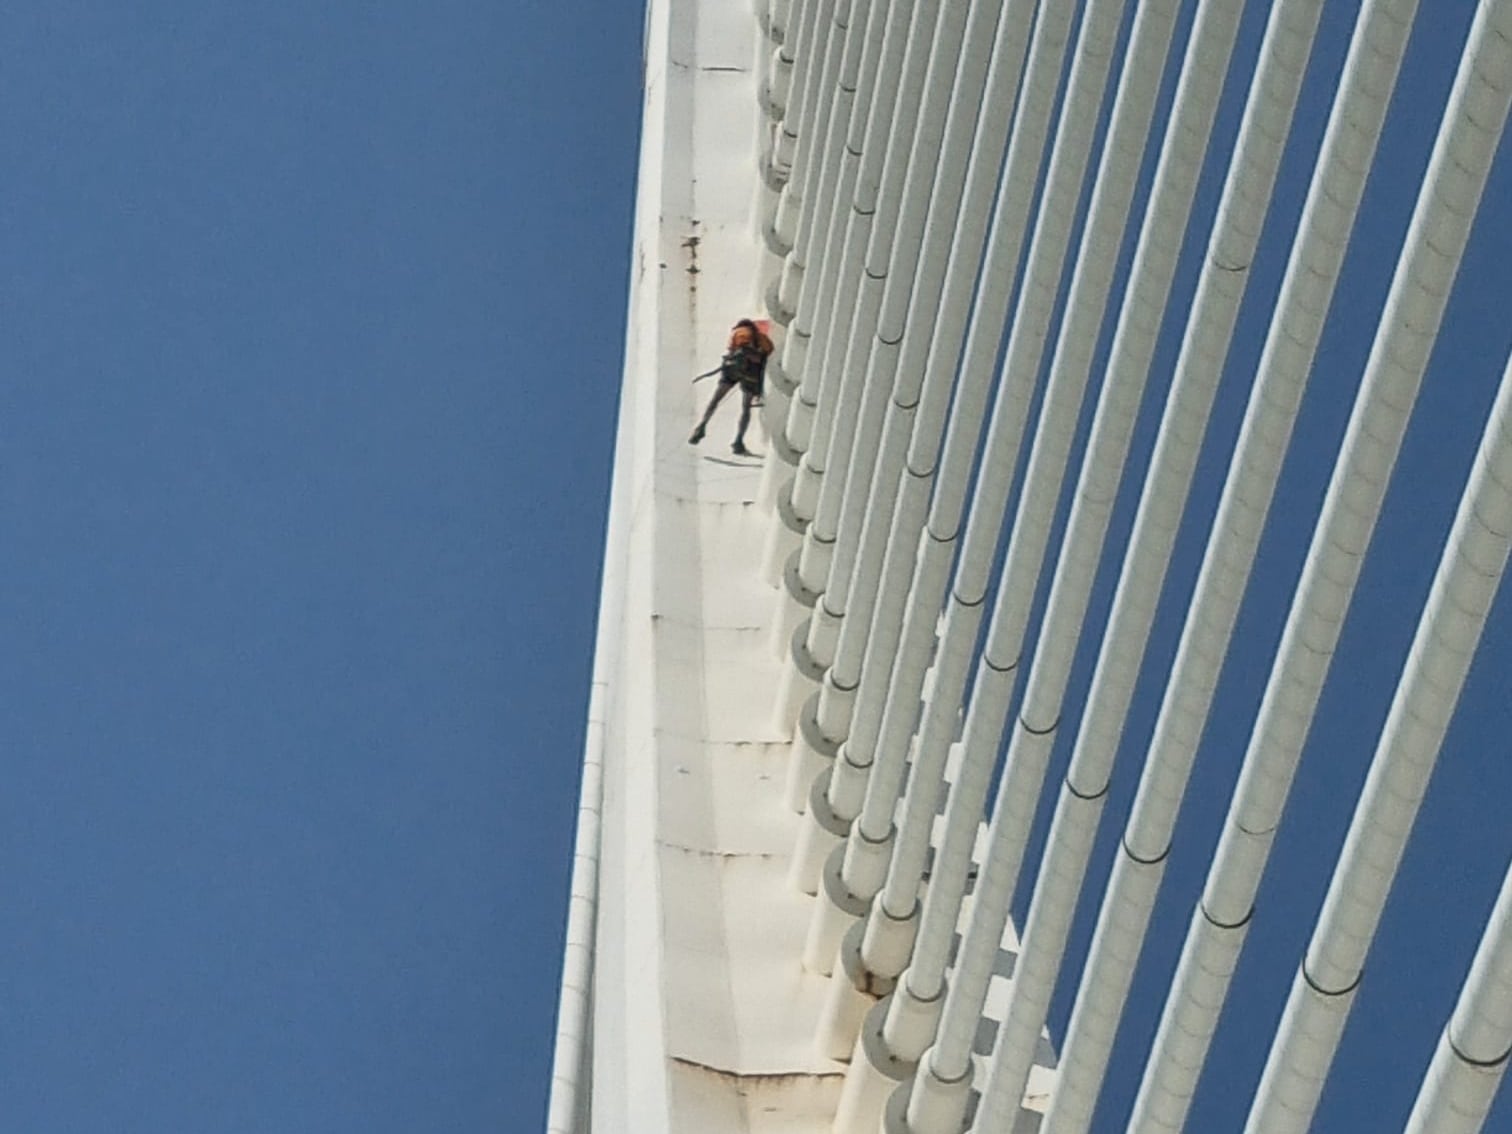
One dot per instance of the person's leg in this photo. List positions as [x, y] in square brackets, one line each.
[745, 419]
[720, 390]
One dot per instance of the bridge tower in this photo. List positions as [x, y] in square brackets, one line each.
[833, 690]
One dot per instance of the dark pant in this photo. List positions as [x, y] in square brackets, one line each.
[746, 396]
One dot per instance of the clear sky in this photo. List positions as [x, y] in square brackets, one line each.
[313, 319]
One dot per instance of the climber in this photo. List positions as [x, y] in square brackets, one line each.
[744, 364]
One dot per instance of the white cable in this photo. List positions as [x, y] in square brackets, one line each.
[937, 352]
[1010, 218]
[987, 178]
[1440, 228]
[1166, 219]
[1269, 109]
[572, 1053]
[800, 207]
[1365, 89]
[808, 51]
[1473, 1051]
[863, 52]
[892, 261]
[854, 80]
[1035, 104]
[920, 397]
[1046, 262]
[1031, 325]
[852, 336]
[1241, 215]
[1323, 992]
[868, 140]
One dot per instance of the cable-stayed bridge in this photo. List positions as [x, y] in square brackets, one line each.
[1086, 711]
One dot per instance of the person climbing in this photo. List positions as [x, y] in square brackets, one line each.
[744, 364]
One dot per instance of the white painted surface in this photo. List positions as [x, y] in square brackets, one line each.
[703, 1016]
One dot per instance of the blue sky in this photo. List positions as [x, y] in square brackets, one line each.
[313, 332]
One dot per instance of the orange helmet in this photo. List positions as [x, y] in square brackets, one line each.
[748, 332]
[743, 334]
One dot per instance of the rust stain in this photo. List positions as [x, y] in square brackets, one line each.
[746, 1081]
[703, 852]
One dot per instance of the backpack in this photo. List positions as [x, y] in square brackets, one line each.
[746, 365]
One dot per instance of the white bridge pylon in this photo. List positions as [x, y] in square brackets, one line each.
[864, 692]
